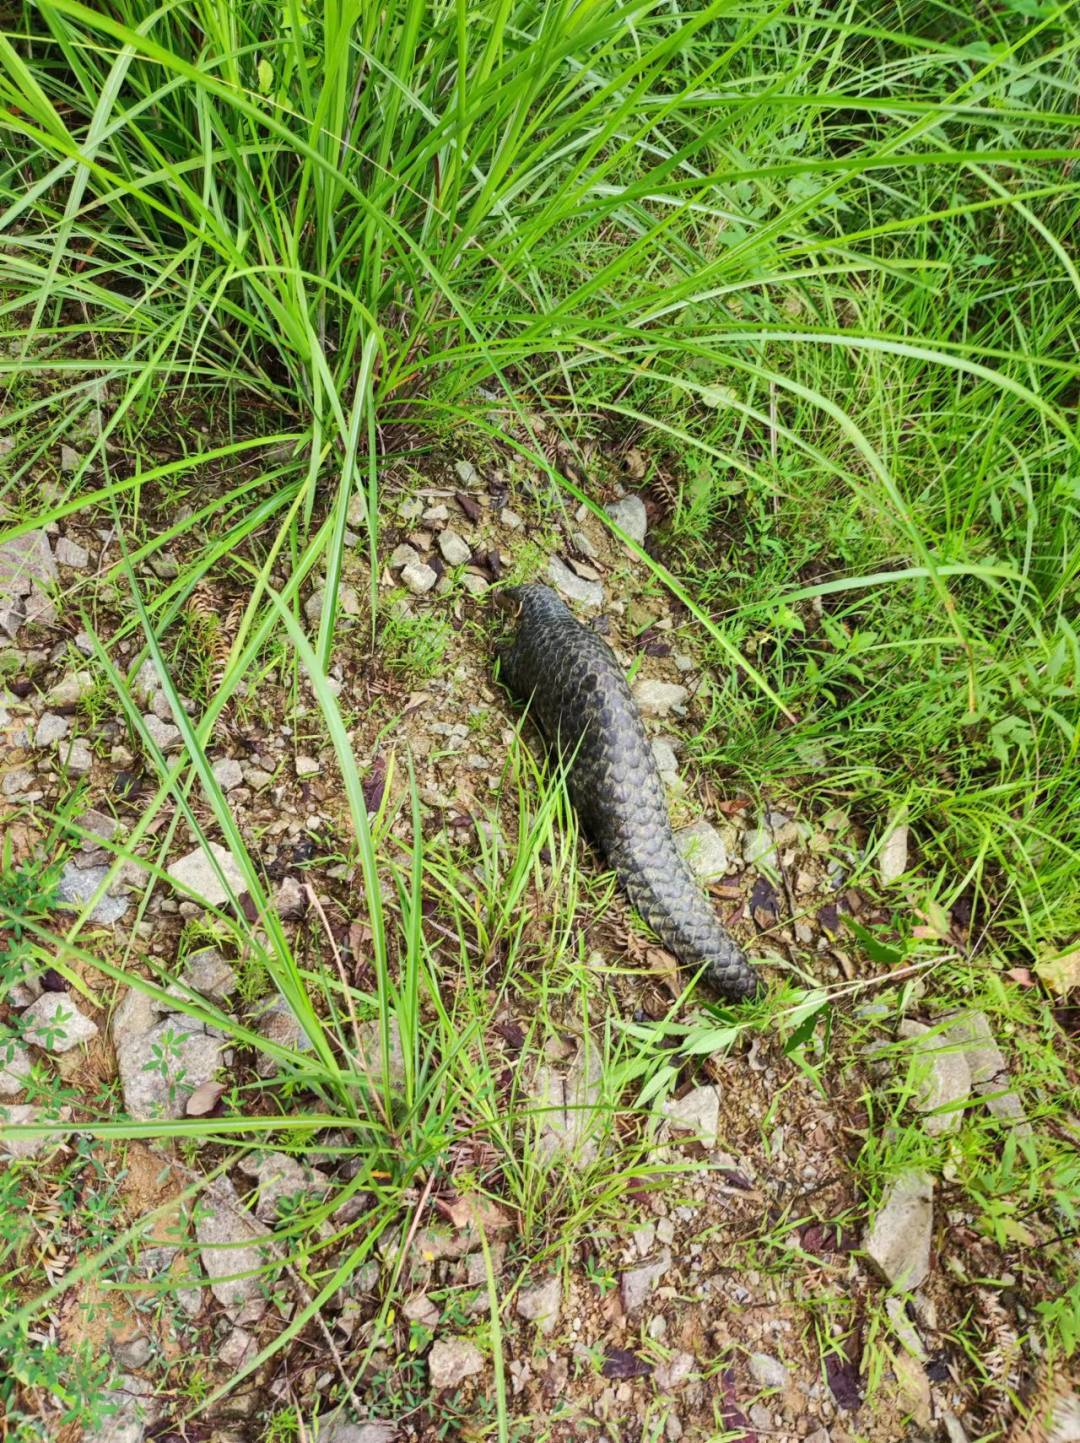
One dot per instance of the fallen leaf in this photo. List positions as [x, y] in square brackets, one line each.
[474, 1208]
[1021, 975]
[204, 1099]
[621, 1363]
[470, 507]
[843, 1379]
[584, 570]
[1061, 974]
[511, 1034]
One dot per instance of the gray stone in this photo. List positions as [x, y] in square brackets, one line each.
[290, 900]
[313, 606]
[696, 1115]
[70, 553]
[904, 1328]
[637, 1283]
[659, 698]
[566, 1106]
[160, 1069]
[989, 1071]
[541, 1304]
[78, 884]
[133, 1352]
[768, 1372]
[473, 584]
[941, 1075]
[207, 973]
[307, 767]
[12, 614]
[893, 857]
[466, 473]
[703, 848]
[574, 588]
[371, 1052]
[195, 874]
[281, 1178]
[403, 555]
[15, 1067]
[418, 577]
[667, 763]
[163, 733]
[374, 1431]
[101, 827]
[630, 516]
[761, 1418]
[17, 782]
[228, 773]
[76, 757]
[455, 551]
[759, 847]
[50, 729]
[897, 1242]
[510, 519]
[230, 1241]
[24, 561]
[55, 1024]
[26, 1148]
[132, 1408]
[134, 1016]
[144, 681]
[69, 460]
[673, 1372]
[278, 1023]
[164, 565]
[452, 1360]
[239, 1348]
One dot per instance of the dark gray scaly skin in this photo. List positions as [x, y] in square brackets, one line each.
[581, 701]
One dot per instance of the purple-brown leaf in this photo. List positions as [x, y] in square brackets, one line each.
[621, 1363]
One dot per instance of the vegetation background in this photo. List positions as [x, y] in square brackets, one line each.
[817, 260]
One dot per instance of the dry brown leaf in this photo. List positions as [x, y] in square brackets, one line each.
[1061, 974]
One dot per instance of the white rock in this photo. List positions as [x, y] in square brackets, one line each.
[418, 577]
[768, 1372]
[466, 472]
[637, 1283]
[941, 1075]
[703, 848]
[167, 736]
[574, 588]
[696, 1116]
[436, 515]
[160, 1069]
[76, 757]
[195, 873]
[893, 857]
[24, 561]
[455, 550]
[278, 1023]
[630, 516]
[452, 1360]
[673, 1372]
[307, 767]
[510, 519]
[144, 681]
[17, 782]
[229, 1238]
[473, 584]
[164, 565]
[22, 1115]
[403, 555]
[207, 973]
[50, 729]
[667, 763]
[228, 773]
[658, 698]
[897, 1242]
[55, 1024]
[70, 689]
[15, 1067]
[290, 900]
[542, 1304]
[131, 1407]
[280, 1179]
[567, 1106]
[78, 884]
[70, 553]
[990, 1077]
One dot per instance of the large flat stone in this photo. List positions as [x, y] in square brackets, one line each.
[897, 1242]
[231, 1245]
[55, 1024]
[161, 1068]
[703, 849]
[941, 1074]
[196, 875]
